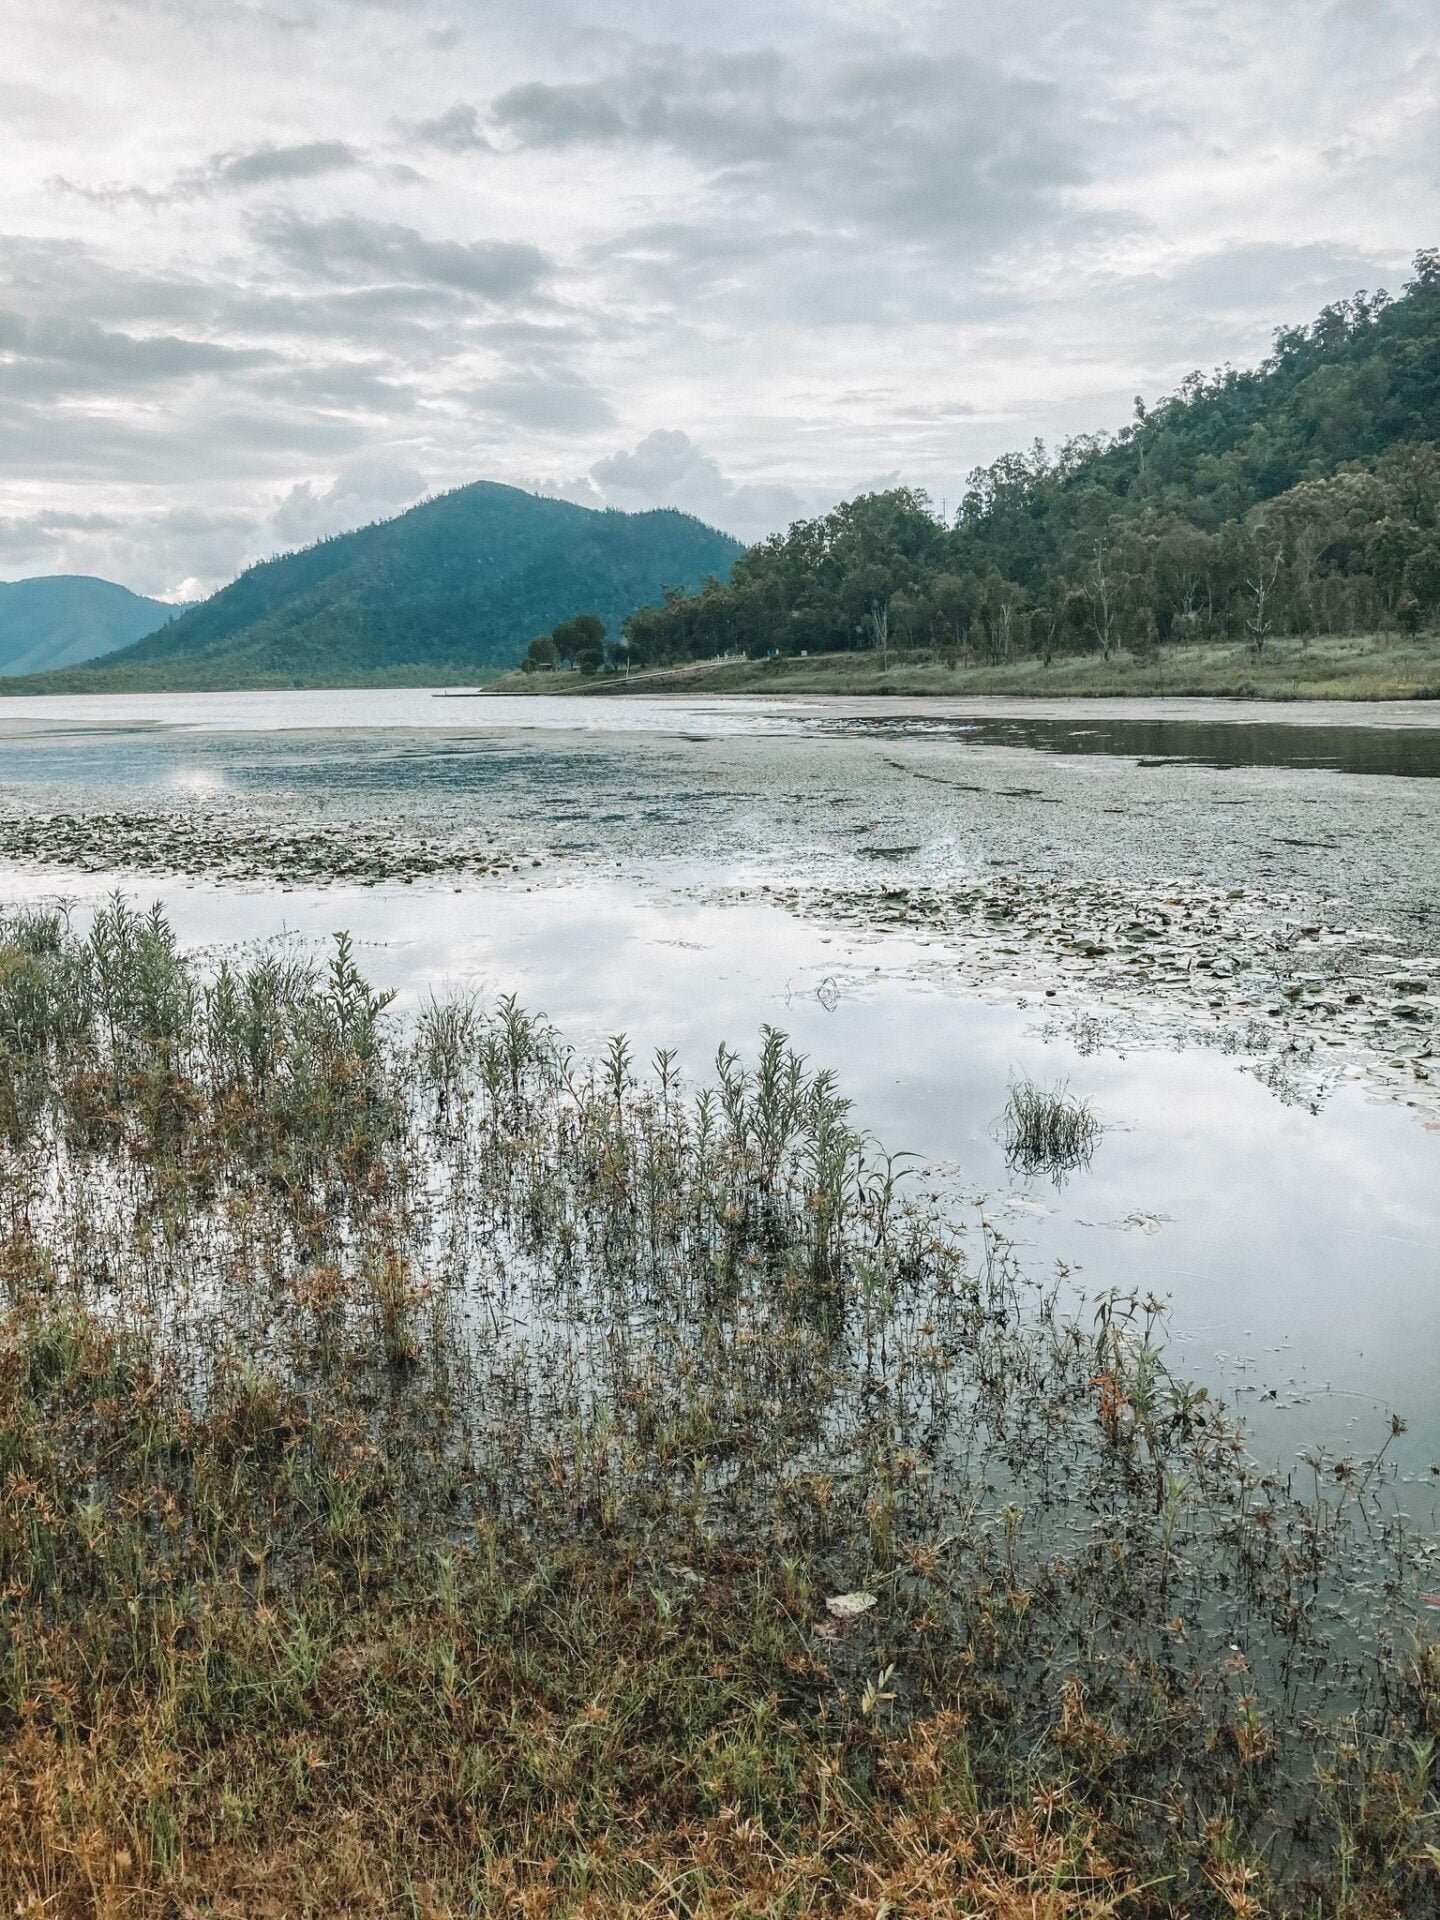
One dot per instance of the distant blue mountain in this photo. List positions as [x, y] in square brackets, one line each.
[60, 619]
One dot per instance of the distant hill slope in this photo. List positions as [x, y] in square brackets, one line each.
[1363, 378]
[62, 619]
[455, 586]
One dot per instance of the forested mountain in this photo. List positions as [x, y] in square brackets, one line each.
[457, 584]
[1301, 496]
[63, 618]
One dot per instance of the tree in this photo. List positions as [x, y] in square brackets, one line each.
[1101, 588]
[1422, 575]
[953, 599]
[581, 641]
[1326, 456]
[1004, 603]
[877, 616]
[1260, 584]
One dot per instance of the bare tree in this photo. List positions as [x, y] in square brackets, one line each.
[1101, 589]
[1005, 601]
[879, 619]
[1260, 585]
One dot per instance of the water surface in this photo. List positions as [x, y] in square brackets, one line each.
[1301, 1251]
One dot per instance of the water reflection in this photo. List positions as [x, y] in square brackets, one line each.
[1410, 752]
[1349, 737]
[1301, 1253]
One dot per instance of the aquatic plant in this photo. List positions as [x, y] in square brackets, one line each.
[442, 1474]
[1048, 1130]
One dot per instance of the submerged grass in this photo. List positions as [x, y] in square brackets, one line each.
[425, 1459]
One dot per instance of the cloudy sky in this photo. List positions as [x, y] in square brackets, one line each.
[270, 268]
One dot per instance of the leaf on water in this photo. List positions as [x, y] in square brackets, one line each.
[849, 1606]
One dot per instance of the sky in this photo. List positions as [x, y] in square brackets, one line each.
[274, 268]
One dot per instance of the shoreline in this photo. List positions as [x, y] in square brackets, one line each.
[1332, 667]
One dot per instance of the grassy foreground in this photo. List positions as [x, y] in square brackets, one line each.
[440, 1477]
[1352, 667]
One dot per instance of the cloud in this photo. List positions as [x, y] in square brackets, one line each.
[828, 240]
[372, 488]
[551, 401]
[24, 538]
[343, 386]
[55, 356]
[47, 274]
[30, 108]
[359, 250]
[267, 165]
[457, 130]
[548, 116]
[264, 166]
[667, 469]
[664, 463]
[153, 552]
[1278, 281]
[934, 145]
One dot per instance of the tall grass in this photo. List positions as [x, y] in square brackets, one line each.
[426, 1457]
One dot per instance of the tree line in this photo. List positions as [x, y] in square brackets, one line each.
[1298, 497]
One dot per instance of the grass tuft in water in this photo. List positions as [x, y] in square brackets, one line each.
[1048, 1130]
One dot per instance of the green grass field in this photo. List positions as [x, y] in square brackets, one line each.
[1352, 667]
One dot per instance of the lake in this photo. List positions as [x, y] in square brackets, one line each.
[1167, 906]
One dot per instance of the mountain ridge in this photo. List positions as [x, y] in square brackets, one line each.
[454, 587]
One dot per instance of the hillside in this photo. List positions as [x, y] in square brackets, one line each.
[1299, 497]
[452, 589]
[62, 619]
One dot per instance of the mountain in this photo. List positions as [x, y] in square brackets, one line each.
[64, 618]
[455, 586]
[1301, 496]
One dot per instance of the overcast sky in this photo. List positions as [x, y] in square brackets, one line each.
[271, 268]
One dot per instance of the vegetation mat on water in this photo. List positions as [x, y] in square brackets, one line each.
[441, 1476]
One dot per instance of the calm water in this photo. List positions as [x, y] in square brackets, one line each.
[1412, 752]
[1301, 1252]
[1353, 737]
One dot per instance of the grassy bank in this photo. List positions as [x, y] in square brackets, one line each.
[1356, 667]
[441, 1476]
